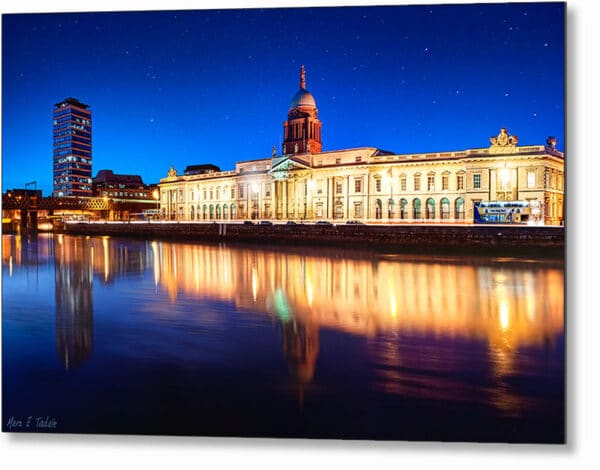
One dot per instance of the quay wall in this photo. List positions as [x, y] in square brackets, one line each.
[469, 239]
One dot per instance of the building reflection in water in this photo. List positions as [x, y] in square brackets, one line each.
[403, 306]
[73, 300]
[439, 317]
[77, 262]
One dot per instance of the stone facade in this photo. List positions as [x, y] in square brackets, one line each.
[369, 184]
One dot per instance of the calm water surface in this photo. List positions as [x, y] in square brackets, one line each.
[109, 335]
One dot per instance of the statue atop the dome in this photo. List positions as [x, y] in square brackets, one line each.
[273, 151]
[172, 172]
[302, 77]
[551, 141]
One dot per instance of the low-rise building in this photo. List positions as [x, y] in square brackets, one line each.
[370, 184]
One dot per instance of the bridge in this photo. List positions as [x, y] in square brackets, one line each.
[21, 207]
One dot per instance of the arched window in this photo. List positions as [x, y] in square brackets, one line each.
[403, 203]
[218, 211]
[204, 214]
[212, 212]
[378, 209]
[445, 208]
[390, 208]
[192, 213]
[233, 211]
[459, 208]
[430, 207]
[225, 211]
[416, 208]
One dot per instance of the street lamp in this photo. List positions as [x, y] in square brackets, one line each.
[504, 175]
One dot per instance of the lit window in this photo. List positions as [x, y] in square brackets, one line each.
[431, 183]
[460, 182]
[531, 179]
[357, 210]
[417, 182]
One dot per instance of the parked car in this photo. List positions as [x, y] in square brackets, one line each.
[323, 222]
[266, 222]
[248, 222]
[354, 222]
[291, 222]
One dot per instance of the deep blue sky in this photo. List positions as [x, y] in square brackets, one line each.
[193, 87]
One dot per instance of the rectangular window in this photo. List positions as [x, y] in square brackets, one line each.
[357, 185]
[267, 190]
[233, 192]
[338, 187]
[357, 210]
[460, 182]
[417, 183]
[358, 159]
[531, 179]
[378, 185]
[338, 161]
[444, 182]
[241, 191]
[403, 183]
[431, 183]
[477, 181]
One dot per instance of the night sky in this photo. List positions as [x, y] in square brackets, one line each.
[190, 87]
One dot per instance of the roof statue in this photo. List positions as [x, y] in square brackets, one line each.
[504, 140]
[172, 172]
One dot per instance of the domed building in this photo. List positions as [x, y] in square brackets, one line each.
[504, 182]
[302, 130]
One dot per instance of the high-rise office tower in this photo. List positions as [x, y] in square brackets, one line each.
[72, 148]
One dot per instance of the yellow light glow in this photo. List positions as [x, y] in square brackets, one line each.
[10, 266]
[504, 174]
[106, 256]
[393, 305]
[254, 283]
[309, 291]
[504, 317]
[156, 263]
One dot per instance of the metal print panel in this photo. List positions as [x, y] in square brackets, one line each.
[336, 223]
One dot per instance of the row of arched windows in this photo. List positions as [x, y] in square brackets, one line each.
[213, 212]
[417, 210]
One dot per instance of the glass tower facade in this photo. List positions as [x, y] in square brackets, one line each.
[72, 152]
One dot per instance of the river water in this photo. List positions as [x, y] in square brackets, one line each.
[109, 335]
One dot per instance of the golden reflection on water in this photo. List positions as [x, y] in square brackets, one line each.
[512, 305]
[402, 306]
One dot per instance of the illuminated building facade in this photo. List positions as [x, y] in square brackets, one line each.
[367, 183]
[108, 184]
[72, 152]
